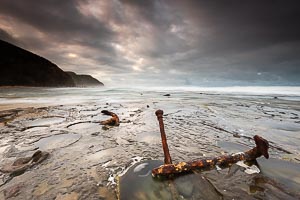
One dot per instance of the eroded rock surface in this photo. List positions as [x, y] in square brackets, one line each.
[85, 159]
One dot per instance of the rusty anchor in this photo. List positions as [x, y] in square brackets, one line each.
[169, 169]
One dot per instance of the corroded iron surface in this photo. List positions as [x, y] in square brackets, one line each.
[159, 114]
[169, 169]
[113, 121]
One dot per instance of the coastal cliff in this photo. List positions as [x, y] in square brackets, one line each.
[19, 67]
[82, 80]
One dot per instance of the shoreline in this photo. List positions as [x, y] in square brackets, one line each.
[86, 159]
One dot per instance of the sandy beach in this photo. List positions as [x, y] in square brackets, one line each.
[86, 158]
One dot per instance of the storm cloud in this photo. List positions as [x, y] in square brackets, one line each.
[170, 42]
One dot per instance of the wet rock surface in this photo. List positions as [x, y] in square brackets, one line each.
[85, 159]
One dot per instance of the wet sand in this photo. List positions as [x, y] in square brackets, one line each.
[86, 159]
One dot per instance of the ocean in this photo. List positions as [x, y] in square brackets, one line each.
[10, 97]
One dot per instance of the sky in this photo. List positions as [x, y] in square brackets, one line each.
[162, 42]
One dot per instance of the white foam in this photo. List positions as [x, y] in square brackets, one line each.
[140, 167]
[134, 161]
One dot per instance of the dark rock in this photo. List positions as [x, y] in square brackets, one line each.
[20, 165]
[19, 67]
[84, 80]
[236, 135]
[166, 95]
[95, 134]
[13, 191]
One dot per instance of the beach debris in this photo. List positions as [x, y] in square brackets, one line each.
[169, 169]
[248, 169]
[113, 121]
[211, 163]
[167, 160]
[105, 127]
[159, 114]
[20, 165]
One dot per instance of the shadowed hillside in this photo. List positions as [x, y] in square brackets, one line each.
[19, 67]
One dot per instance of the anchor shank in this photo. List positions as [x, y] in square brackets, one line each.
[261, 148]
[159, 114]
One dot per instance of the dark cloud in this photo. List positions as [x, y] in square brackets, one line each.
[55, 16]
[191, 41]
[7, 37]
[60, 22]
[233, 25]
[148, 10]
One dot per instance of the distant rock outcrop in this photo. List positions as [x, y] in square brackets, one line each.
[82, 80]
[19, 67]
